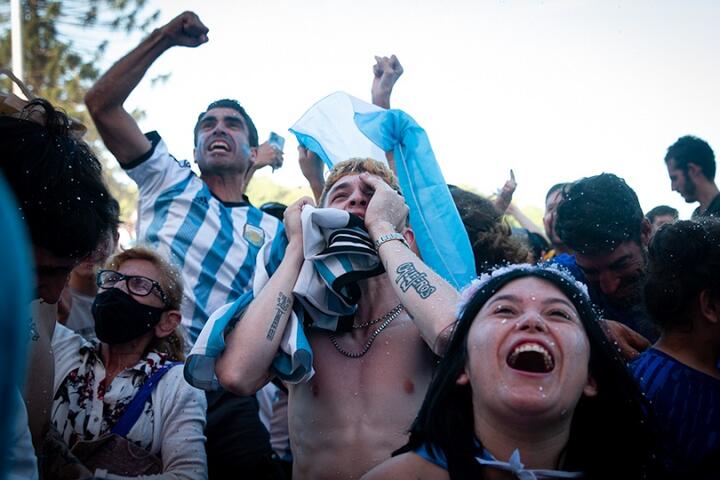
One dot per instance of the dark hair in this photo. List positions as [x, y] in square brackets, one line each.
[599, 213]
[57, 181]
[611, 425]
[661, 211]
[235, 105]
[489, 235]
[684, 260]
[690, 149]
[555, 188]
[538, 245]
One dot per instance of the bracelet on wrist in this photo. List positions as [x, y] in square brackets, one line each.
[388, 238]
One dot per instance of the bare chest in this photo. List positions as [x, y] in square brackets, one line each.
[358, 410]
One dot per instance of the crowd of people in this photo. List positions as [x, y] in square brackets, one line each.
[314, 341]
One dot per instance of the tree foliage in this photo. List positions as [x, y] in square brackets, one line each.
[263, 189]
[63, 45]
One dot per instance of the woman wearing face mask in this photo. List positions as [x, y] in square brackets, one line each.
[128, 383]
[529, 388]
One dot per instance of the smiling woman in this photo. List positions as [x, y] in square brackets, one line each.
[529, 377]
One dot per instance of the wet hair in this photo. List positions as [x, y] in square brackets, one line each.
[660, 211]
[489, 235]
[684, 260]
[57, 181]
[690, 149]
[599, 213]
[235, 105]
[611, 425]
[356, 166]
[171, 282]
[538, 245]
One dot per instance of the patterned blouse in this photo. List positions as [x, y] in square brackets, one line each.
[86, 408]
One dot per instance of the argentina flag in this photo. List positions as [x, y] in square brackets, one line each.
[340, 127]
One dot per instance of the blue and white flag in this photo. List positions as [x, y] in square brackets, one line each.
[292, 363]
[340, 127]
[338, 254]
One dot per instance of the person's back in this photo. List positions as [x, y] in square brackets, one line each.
[680, 374]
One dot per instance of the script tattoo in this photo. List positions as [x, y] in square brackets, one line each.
[409, 277]
[283, 304]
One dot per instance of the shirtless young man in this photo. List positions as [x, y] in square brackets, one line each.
[355, 410]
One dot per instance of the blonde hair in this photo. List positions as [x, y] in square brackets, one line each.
[171, 282]
[356, 166]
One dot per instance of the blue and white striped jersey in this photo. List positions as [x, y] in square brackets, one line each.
[214, 243]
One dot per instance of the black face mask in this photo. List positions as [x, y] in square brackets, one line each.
[119, 318]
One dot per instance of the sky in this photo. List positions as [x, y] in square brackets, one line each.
[555, 90]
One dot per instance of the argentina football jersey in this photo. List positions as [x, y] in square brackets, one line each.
[214, 243]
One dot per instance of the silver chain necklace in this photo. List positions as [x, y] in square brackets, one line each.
[387, 318]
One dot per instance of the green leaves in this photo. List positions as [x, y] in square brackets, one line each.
[63, 40]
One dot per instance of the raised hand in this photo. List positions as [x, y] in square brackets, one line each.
[628, 341]
[268, 155]
[311, 167]
[185, 30]
[505, 194]
[386, 205]
[386, 72]
[291, 218]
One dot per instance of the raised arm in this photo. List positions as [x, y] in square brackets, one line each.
[427, 297]
[312, 168]
[105, 99]
[244, 366]
[524, 220]
[505, 194]
[386, 72]
[265, 155]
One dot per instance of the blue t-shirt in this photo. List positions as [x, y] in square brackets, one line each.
[686, 403]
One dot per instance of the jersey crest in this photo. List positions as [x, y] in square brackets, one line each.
[254, 235]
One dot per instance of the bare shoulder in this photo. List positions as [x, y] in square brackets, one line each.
[408, 465]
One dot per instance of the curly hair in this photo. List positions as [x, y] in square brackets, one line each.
[490, 236]
[684, 260]
[599, 213]
[57, 181]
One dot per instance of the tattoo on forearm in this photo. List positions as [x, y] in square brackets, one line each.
[409, 277]
[283, 304]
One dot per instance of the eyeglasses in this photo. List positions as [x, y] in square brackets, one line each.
[136, 284]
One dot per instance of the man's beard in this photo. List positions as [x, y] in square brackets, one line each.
[634, 287]
[690, 191]
[633, 293]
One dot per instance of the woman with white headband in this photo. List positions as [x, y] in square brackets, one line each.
[530, 387]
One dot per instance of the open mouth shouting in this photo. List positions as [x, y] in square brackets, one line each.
[531, 357]
[219, 145]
